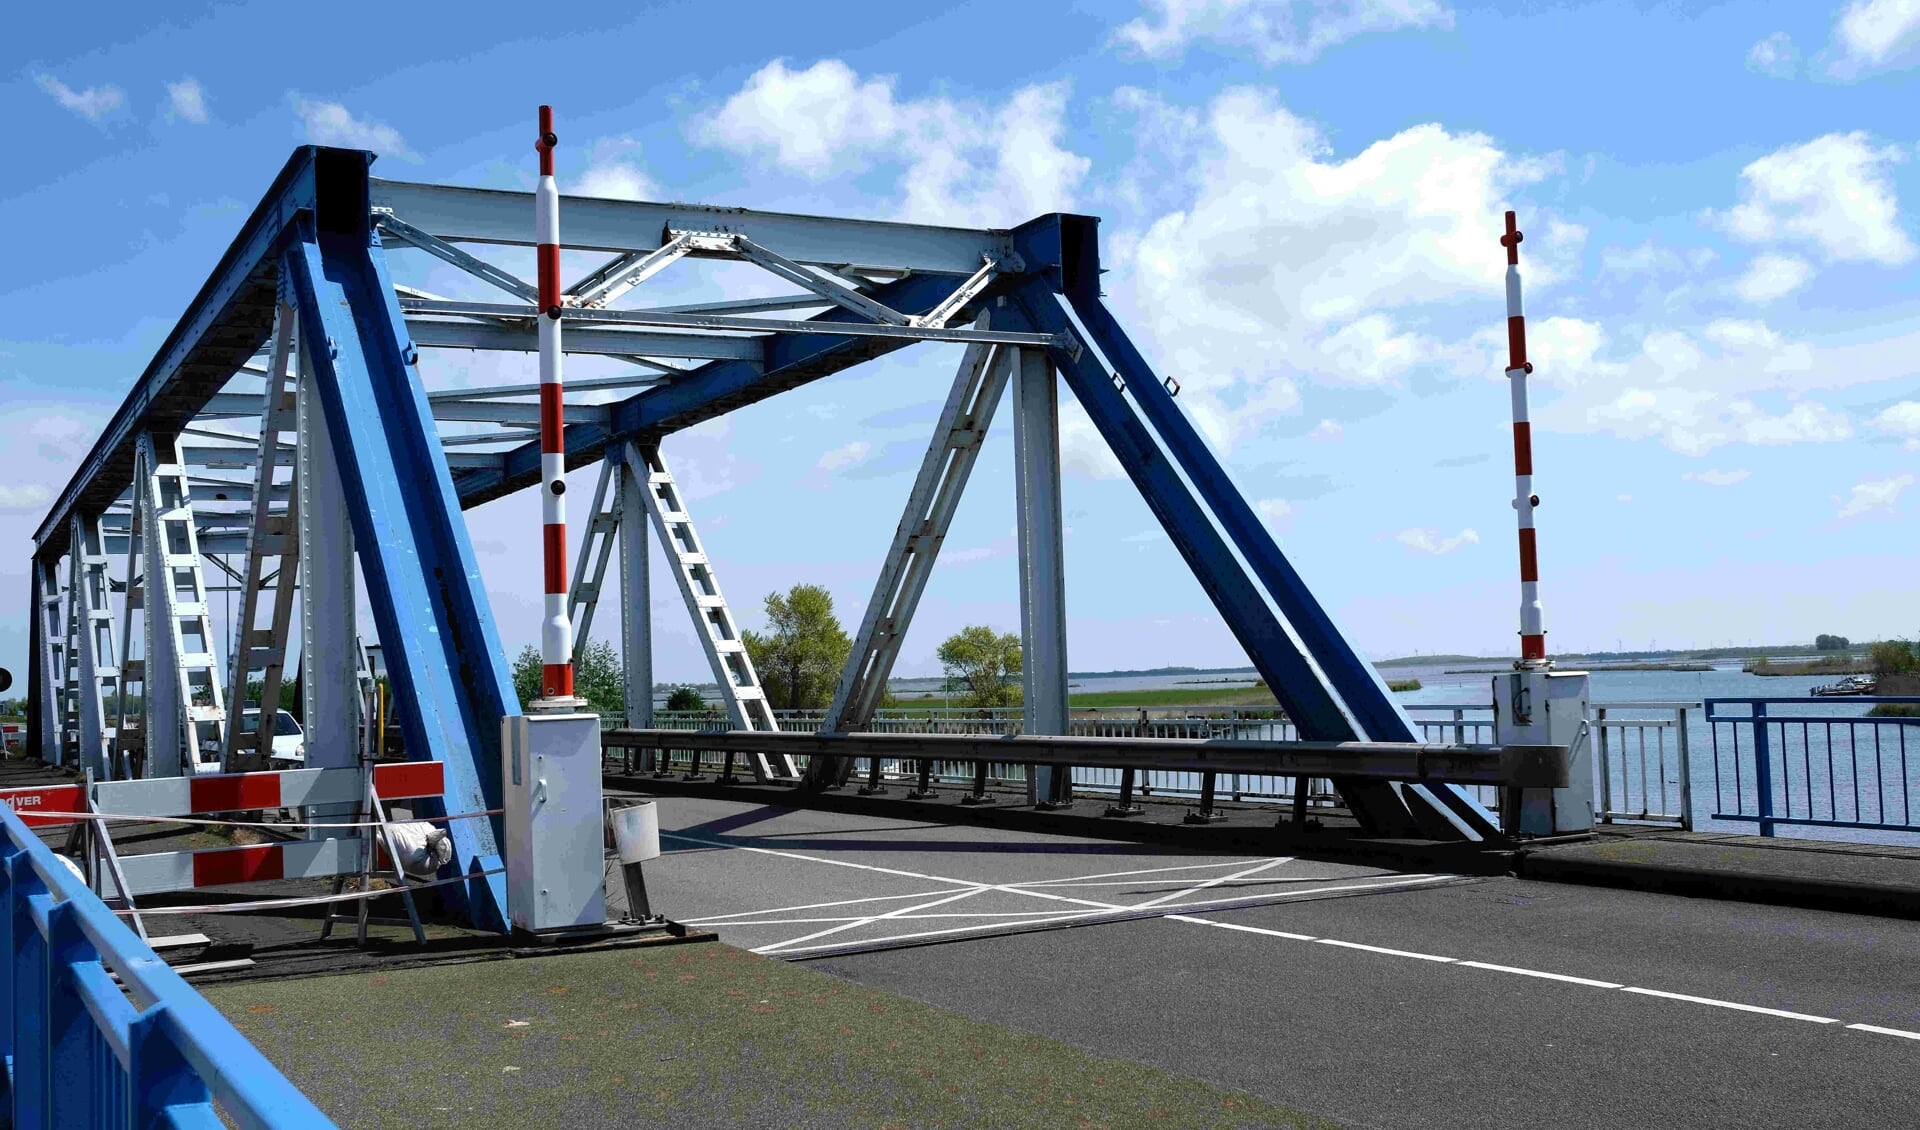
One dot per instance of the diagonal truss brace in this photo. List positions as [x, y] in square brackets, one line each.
[472, 264]
[949, 461]
[271, 535]
[596, 549]
[747, 705]
[794, 273]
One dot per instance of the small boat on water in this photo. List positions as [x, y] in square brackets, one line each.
[1851, 685]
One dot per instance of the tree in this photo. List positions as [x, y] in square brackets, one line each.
[1893, 657]
[986, 663]
[1824, 642]
[800, 656]
[596, 677]
[685, 699]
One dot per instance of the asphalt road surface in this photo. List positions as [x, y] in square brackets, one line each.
[1353, 993]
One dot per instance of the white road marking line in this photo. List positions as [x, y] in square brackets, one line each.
[854, 925]
[1587, 981]
[817, 859]
[1269, 879]
[1082, 880]
[1242, 929]
[1198, 887]
[1383, 949]
[1290, 896]
[1568, 978]
[816, 906]
[1780, 1012]
[1876, 1029]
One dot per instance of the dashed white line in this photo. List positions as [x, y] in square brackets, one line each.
[1877, 1030]
[1567, 977]
[1712, 1002]
[1383, 949]
[1589, 982]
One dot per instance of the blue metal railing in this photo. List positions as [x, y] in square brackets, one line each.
[84, 1050]
[1815, 762]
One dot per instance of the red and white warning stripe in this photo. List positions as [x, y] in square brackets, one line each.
[226, 792]
[220, 867]
[1533, 632]
[556, 632]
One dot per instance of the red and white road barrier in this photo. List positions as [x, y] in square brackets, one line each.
[229, 792]
[1533, 632]
[556, 632]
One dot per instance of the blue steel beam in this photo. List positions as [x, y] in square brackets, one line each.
[1068, 247]
[423, 581]
[1298, 687]
[223, 326]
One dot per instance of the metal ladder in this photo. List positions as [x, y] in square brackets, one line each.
[272, 534]
[90, 647]
[173, 592]
[747, 705]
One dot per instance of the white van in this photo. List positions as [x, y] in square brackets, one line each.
[289, 744]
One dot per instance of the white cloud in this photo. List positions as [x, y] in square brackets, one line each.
[187, 101]
[1275, 510]
[1696, 390]
[93, 103]
[1775, 56]
[1277, 31]
[25, 496]
[1772, 276]
[809, 121]
[1084, 453]
[1368, 351]
[1718, 478]
[621, 180]
[1833, 192]
[961, 162]
[1875, 495]
[330, 123]
[1870, 34]
[1283, 261]
[1902, 419]
[613, 172]
[1327, 431]
[845, 456]
[1431, 541]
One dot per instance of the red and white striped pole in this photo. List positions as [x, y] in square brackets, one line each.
[556, 632]
[1533, 633]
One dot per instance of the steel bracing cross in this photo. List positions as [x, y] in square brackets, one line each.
[713, 624]
[944, 470]
[596, 550]
[272, 537]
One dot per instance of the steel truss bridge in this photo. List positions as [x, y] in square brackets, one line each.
[284, 420]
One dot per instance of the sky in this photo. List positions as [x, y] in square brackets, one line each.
[1300, 204]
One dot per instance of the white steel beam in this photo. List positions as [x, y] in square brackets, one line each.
[93, 671]
[477, 267]
[1043, 612]
[636, 597]
[53, 668]
[330, 653]
[580, 339]
[481, 215]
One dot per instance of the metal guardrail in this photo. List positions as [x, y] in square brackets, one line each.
[1531, 766]
[1642, 750]
[1787, 764]
[85, 1049]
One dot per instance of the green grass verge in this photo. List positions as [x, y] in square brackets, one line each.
[687, 1036]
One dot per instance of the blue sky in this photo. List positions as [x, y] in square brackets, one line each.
[1299, 201]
